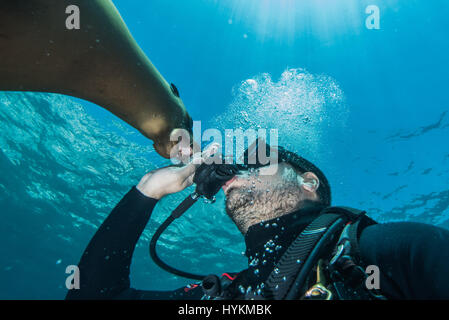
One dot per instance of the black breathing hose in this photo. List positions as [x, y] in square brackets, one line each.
[179, 211]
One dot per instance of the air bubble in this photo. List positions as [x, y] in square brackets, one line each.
[264, 101]
[254, 262]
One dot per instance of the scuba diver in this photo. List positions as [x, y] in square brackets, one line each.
[297, 245]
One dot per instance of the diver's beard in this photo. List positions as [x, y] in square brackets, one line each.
[241, 207]
[247, 208]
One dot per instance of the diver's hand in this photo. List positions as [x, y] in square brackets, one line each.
[161, 182]
[164, 181]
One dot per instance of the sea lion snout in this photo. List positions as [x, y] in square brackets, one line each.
[179, 145]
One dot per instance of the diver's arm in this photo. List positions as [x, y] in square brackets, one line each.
[104, 266]
[413, 259]
[101, 62]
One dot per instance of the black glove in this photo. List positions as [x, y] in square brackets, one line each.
[209, 178]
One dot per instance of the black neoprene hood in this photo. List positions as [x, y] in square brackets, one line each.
[297, 162]
[303, 165]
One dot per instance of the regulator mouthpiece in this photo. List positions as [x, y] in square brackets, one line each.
[209, 178]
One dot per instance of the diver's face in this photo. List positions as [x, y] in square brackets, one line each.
[260, 195]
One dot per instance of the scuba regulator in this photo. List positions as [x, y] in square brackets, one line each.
[209, 178]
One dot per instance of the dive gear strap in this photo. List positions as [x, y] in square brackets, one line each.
[331, 238]
[178, 212]
[318, 241]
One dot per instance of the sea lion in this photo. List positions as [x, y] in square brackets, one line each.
[101, 62]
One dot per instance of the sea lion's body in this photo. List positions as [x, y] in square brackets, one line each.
[100, 62]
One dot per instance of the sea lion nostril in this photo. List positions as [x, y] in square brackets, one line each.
[174, 90]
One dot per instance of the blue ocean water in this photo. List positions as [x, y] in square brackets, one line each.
[367, 106]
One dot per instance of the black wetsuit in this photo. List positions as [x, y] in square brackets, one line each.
[413, 258]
